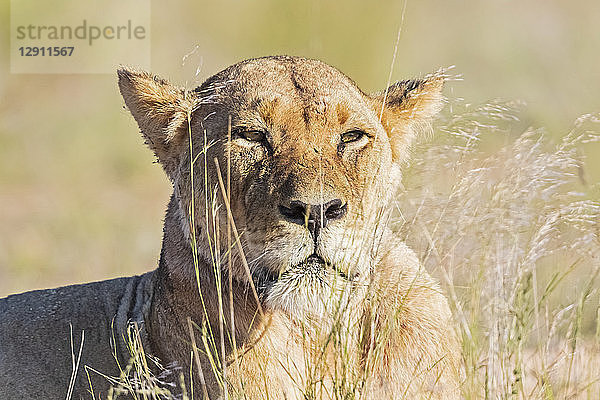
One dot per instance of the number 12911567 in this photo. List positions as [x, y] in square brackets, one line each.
[56, 51]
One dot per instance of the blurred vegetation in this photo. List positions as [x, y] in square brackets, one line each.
[80, 199]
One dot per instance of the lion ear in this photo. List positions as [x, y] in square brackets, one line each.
[407, 108]
[161, 110]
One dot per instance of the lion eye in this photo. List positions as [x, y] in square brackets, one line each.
[253, 135]
[352, 136]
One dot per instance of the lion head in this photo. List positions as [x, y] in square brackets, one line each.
[312, 162]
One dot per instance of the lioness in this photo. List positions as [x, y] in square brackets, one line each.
[282, 171]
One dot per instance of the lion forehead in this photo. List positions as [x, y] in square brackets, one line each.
[283, 77]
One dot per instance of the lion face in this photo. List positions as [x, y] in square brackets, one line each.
[312, 162]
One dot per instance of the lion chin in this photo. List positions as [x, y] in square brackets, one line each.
[310, 289]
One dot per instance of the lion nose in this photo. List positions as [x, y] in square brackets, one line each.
[313, 216]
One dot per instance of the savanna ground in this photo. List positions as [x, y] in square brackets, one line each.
[500, 202]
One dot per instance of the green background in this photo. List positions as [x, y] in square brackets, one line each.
[80, 198]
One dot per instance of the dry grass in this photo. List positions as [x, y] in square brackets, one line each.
[506, 229]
